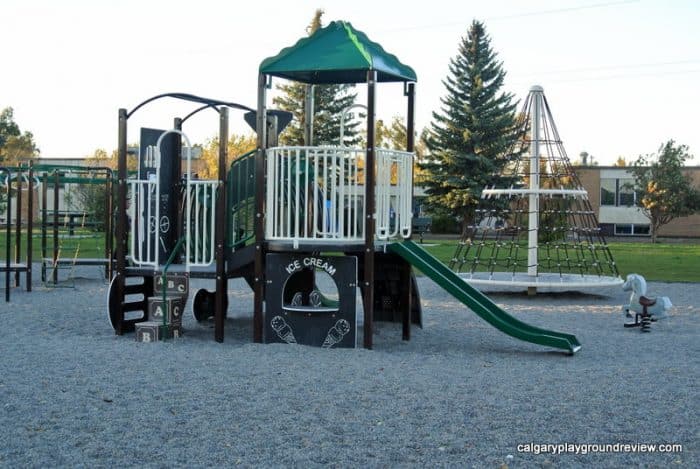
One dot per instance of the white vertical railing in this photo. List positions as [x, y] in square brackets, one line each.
[144, 226]
[200, 213]
[145, 199]
[316, 194]
[200, 222]
[393, 194]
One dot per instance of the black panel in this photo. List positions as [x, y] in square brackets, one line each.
[169, 185]
[294, 312]
[388, 286]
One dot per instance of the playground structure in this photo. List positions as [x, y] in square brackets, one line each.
[284, 218]
[76, 220]
[541, 231]
[38, 196]
[14, 263]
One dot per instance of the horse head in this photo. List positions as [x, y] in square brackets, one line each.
[636, 283]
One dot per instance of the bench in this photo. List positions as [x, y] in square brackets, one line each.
[71, 220]
[421, 225]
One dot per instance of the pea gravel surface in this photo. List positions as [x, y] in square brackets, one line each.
[459, 394]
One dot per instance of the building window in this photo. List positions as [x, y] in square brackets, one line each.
[608, 188]
[628, 229]
[623, 229]
[618, 192]
[626, 195]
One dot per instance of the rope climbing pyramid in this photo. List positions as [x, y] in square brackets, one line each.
[541, 231]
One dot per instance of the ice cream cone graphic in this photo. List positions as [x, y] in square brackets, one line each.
[336, 333]
[284, 332]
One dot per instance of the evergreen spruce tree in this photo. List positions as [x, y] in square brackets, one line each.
[329, 102]
[470, 136]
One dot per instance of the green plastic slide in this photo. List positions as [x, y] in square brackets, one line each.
[480, 303]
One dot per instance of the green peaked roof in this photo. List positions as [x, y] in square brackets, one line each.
[337, 53]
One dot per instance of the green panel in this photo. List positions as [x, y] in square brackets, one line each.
[337, 53]
[241, 200]
[480, 303]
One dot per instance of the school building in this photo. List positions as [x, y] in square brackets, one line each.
[614, 203]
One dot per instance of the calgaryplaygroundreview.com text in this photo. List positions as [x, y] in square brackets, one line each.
[587, 448]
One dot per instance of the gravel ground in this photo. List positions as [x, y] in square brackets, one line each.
[460, 393]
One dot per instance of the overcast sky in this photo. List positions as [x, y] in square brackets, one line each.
[621, 77]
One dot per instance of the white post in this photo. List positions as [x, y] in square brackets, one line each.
[534, 201]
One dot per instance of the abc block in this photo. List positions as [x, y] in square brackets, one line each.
[175, 285]
[152, 331]
[172, 307]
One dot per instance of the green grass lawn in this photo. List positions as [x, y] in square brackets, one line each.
[663, 262]
[85, 242]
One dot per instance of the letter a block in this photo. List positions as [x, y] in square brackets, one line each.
[172, 309]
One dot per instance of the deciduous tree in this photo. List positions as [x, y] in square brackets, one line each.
[15, 145]
[664, 191]
[238, 145]
[393, 136]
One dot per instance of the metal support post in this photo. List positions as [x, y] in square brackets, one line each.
[259, 273]
[221, 292]
[121, 221]
[369, 213]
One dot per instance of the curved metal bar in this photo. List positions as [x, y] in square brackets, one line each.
[182, 121]
[192, 98]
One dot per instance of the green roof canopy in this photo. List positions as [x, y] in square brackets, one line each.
[337, 53]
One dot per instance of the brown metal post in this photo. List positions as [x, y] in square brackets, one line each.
[121, 221]
[18, 227]
[44, 221]
[220, 231]
[259, 276]
[54, 270]
[8, 233]
[410, 92]
[411, 118]
[30, 224]
[109, 218]
[369, 212]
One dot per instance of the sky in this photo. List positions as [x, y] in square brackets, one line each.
[621, 76]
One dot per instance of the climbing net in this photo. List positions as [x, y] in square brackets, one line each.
[541, 230]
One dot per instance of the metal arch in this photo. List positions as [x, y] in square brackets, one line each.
[206, 106]
[208, 102]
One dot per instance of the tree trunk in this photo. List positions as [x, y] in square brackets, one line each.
[653, 229]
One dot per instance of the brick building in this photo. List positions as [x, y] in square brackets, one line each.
[615, 208]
